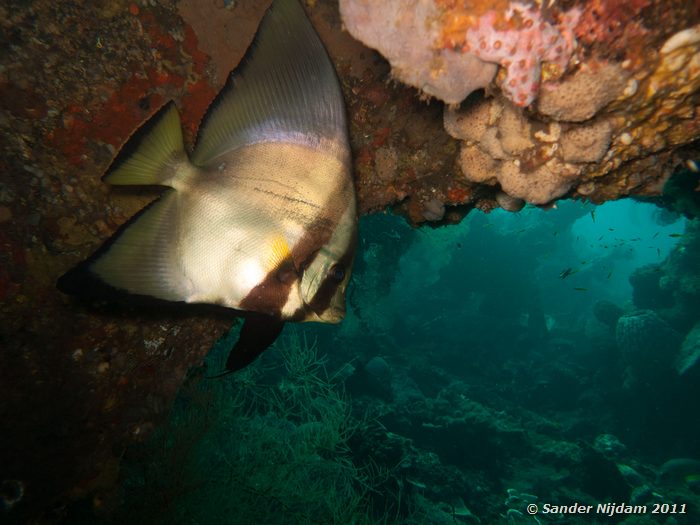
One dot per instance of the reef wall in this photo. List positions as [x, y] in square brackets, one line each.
[578, 99]
[81, 382]
[613, 110]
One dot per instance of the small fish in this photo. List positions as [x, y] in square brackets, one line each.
[655, 235]
[581, 289]
[593, 215]
[675, 235]
[416, 483]
[261, 218]
[609, 275]
[565, 273]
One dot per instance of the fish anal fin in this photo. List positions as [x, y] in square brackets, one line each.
[141, 258]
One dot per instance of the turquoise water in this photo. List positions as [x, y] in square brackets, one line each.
[481, 369]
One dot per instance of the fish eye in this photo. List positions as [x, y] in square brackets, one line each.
[337, 272]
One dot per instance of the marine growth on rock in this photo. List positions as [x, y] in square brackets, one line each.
[520, 43]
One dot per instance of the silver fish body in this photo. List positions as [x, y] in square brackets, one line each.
[262, 218]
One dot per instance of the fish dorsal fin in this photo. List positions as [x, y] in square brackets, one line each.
[285, 89]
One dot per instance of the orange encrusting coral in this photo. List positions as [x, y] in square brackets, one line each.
[517, 36]
[614, 29]
[459, 15]
[655, 117]
[454, 30]
[456, 195]
[199, 92]
[113, 121]
[611, 23]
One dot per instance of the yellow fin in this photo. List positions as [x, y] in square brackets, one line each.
[279, 252]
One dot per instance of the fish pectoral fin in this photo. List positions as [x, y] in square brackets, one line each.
[141, 258]
[154, 154]
[259, 332]
[279, 253]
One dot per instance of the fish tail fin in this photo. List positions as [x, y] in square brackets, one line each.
[154, 154]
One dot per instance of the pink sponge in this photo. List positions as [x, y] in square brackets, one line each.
[522, 46]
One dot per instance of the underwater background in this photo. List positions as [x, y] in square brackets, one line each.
[543, 357]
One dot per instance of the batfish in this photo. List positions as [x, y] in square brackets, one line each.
[261, 217]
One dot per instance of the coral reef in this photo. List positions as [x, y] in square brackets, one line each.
[649, 347]
[520, 43]
[689, 355]
[584, 134]
[458, 431]
[417, 65]
[270, 447]
[681, 195]
[583, 94]
[607, 119]
[448, 53]
[534, 163]
[679, 471]
[81, 382]
[610, 446]
[672, 288]
[607, 313]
